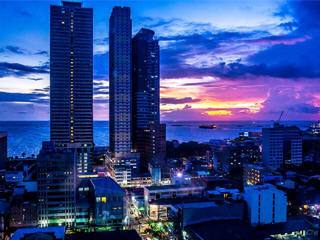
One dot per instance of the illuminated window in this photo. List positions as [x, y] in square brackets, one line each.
[104, 199]
[62, 22]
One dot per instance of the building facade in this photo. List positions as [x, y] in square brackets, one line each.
[253, 174]
[148, 134]
[56, 186]
[135, 129]
[71, 74]
[101, 204]
[152, 193]
[266, 204]
[120, 106]
[280, 145]
[145, 77]
[3, 150]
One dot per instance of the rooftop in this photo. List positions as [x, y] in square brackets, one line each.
[164, 187]
[105, 185]
[58, 232]
[224, 229]
[185, 200]
[237, 229]
[121, 235]
[71, 4]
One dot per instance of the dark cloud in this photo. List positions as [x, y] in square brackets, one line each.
[183, 46]
[293, 54]
[289, 26]
[19, 70]
[306, 13]
[15, 49]
[236, 70]
[204, 84]
[261, 64]
[22, 97]
[42, 53]
[304, 108]
[35, 79]
[161, 22]
[179, 100]
[21, 51]
[283, 70]
[289, 100]
[302, 58]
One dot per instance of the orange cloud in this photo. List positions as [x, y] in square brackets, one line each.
[219, 113]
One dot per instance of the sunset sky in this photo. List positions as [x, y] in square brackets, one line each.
[220, 60]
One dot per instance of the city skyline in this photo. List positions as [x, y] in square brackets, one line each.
[244, 62]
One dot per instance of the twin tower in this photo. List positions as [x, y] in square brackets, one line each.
[134, 70]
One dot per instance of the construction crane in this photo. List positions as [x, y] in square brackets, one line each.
[281, 114]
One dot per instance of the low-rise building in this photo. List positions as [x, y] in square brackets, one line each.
[171, 191]
[266, 204]
[253, 174]
[51, 233]
[101, 203]
[297, 227]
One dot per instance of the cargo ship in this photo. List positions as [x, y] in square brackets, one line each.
[212, 126]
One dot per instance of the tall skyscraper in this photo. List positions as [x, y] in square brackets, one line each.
[71, 84]
[134, 68]
[280, 145]
[148, 134]
[145, 77]
[3, 150]
[120, 114]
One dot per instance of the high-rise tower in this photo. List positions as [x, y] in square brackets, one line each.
[145, 77]
[120, 81]
[280, 145]
[148, 134]
[71, 84]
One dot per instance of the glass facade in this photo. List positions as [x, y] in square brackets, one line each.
[71, 83]
[120, 81]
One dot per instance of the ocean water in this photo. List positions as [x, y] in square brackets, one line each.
[26, 137]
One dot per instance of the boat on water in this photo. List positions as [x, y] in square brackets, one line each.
[212, 126]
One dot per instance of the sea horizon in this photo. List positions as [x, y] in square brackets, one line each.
[27, 136]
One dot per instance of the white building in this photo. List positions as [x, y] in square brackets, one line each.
[171, 191]
[281, 144]
[266, 204]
